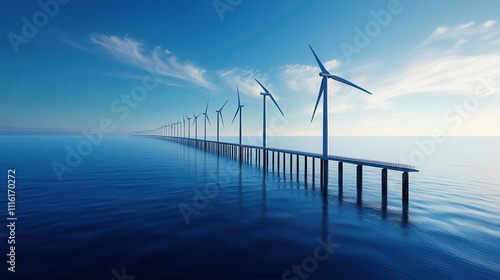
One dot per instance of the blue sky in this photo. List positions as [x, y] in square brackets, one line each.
[430, 66]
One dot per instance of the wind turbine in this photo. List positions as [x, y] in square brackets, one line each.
[324, 89]
[183, 126]
[238, 111]
[195, 123]
[219, 113]
[179, 127]
[189, 126]
[264, 94]
[205, 120]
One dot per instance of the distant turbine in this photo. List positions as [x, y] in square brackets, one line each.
[264, 94]
[175, 128]
[239, 110]
[324, 88]
[183, 126]
[189, 126]
[205, 120]
[178, 127]
[195, 123]
[219, 113]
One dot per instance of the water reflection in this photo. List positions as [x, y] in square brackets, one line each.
[363, 208]
[324, 214]
[264, 198]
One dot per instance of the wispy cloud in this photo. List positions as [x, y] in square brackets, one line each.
[447, 68]
[465, 31]
[161, 61]
[73, 44]
[244, 79]
[452, 75]
[303, 78]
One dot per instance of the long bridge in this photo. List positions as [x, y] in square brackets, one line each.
[291, 162]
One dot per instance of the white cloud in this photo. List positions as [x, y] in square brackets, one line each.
[132, 52]
[463, 31]
[244, 79]
[73, 44]
[445, 69]
[453, 75]
[304, 78]
[490, 23]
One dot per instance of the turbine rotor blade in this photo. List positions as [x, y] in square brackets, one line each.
[223, 105]
[206, 109]
[344, 81]
[238, 90]
[222, 119]
[237, 110]
[275, 103]
[321, 90]
[323, 69]
[208, 119]
[265, 89]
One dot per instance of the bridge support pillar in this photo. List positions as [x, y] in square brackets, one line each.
[359, 181]
[341, 178]
[384, 184]
[406, 183]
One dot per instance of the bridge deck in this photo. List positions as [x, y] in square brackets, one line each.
[357, 161]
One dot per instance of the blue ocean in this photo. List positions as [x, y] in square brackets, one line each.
[147, 208]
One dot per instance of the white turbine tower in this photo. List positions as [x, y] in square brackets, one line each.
[189, 126]
[195, 123]
[264, 94]
[219, 113]
[324, 89]
[239, 110]
[179, 128]
[205, 120]
[183, 126]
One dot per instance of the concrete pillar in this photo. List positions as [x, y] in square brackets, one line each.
[321, 171]
[313, 170]
[341, 178]
[384, 184]
[284, 159]
[297, 165]
[359, 181]
[273, 160]
[406, 183]
[325, 173]
[305, 169]
[278, 157]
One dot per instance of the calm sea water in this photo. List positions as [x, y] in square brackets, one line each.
[118, 213]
